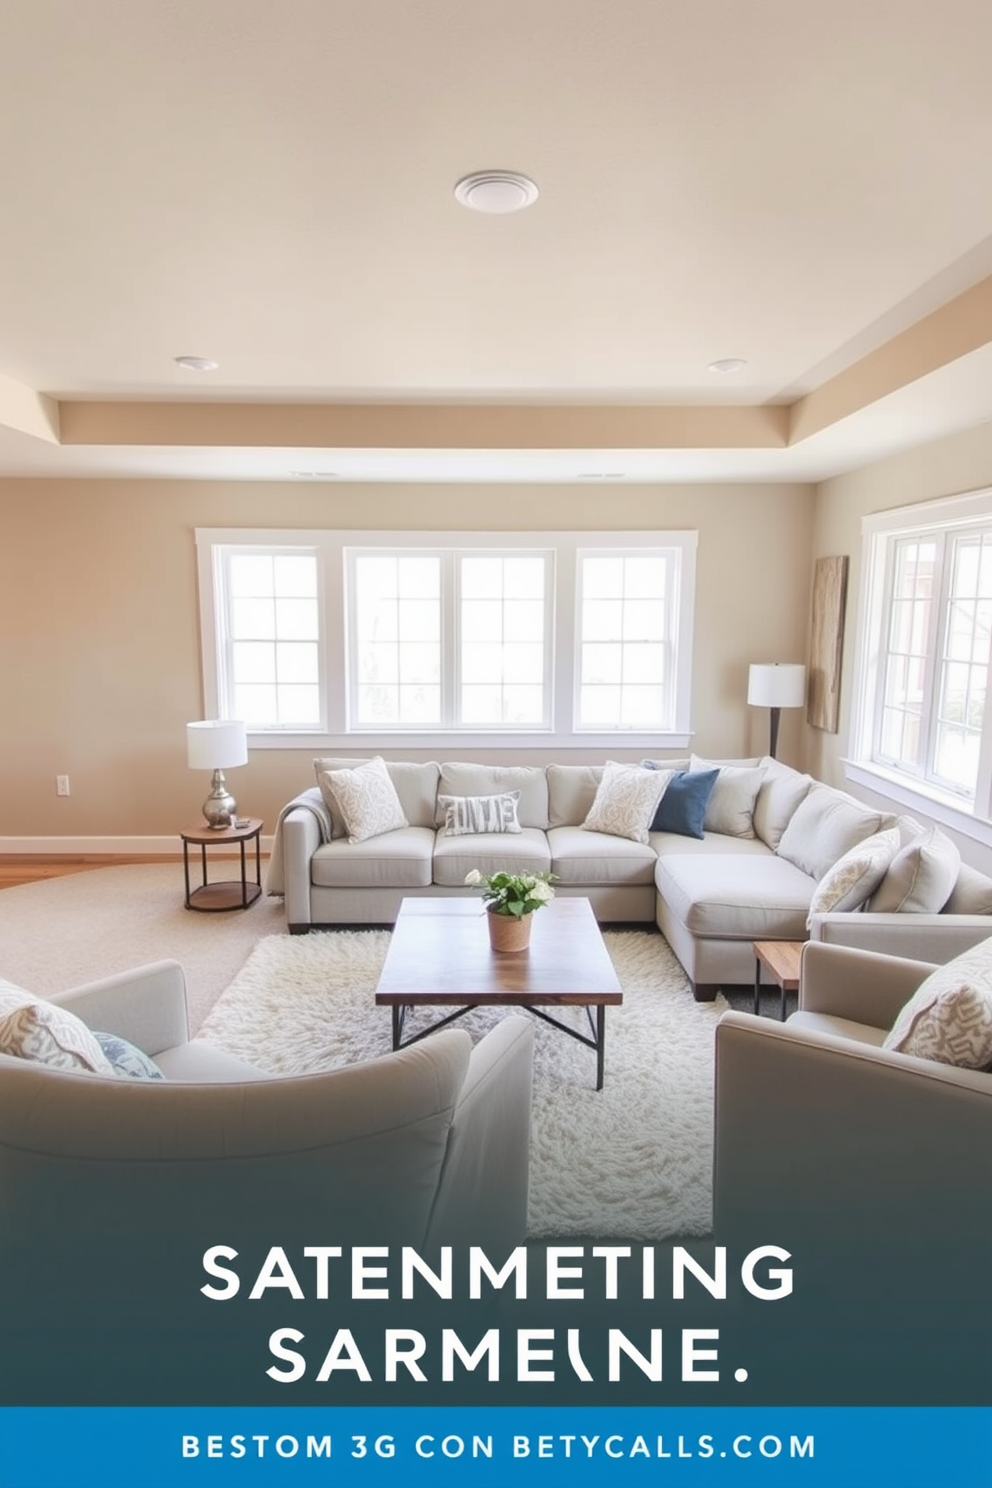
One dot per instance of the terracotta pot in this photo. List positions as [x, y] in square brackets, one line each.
[507, 933]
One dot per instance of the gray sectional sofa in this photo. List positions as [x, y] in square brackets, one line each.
[711, 896]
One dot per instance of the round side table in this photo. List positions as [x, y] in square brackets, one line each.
[227, 893]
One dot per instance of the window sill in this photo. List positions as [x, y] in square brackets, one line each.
[444, 744]
[937, 806]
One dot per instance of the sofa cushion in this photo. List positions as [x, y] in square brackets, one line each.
[463, 779]
[589, 858]
[682, 809]
[415, 784]
[626, 801]
[395, 860]
[45, 1033]
[949, 1016]
[735, 897]
[730, 808]
[464, 814]
[782, 791]
[525, 851]
[571, 792]
[672, 844]
[854, 877]
[825, 825]
[920, 878]
[972, 893]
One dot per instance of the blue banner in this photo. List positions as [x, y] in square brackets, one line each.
[267, 1446]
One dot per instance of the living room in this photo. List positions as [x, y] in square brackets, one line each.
[742, 305]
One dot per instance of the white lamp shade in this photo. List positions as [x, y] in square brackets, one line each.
[778, 684]
[216, 744]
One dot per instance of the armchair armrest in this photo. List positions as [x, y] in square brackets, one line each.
[937, 937]
[482, 1194]
[860, 985]
[147, 1006]
[822, 1137]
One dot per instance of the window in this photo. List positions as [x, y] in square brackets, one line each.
[926, 648]
[352, 639]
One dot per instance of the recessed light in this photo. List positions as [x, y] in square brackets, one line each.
[196, 364]
[496, 191]
[727, 364]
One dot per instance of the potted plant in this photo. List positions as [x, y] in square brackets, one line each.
[511, 900]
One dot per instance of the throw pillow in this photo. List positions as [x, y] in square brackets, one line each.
[626, 800]
[826, 825]
[465, 814]
[730, 808]
[782, 792]
[949, 1017]
[972, 893]
[921, 877]
[45, 1033]
[682, 808]
[126, 1060]
[855, 876]
[368, 800]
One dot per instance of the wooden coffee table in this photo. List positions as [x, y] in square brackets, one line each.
[439, 956]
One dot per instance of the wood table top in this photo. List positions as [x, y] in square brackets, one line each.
[440, 953]
[782, 958]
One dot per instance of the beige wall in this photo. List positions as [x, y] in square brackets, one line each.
[99, 642]
[947, 467]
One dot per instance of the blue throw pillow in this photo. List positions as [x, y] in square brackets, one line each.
[129, 1062]
[683, 806]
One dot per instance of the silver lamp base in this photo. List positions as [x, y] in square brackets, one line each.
[220, 807]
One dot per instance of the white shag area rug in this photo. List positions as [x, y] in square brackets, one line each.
[631, 1161]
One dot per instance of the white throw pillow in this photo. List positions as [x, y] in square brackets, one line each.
[44, 1033]
[782, 792]
[468, 814]
[921, 877]
[626, 800]
[730, 808]
[855, 876]
[368, 800]
[949, 1017]
[826, 825]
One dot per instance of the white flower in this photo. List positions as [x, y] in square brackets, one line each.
[542, 892]
[474, 877]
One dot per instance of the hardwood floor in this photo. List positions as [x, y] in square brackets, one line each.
[30, 867]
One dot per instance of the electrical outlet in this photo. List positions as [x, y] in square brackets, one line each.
[61, 785]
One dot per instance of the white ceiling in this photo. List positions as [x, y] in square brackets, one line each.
[270, 185]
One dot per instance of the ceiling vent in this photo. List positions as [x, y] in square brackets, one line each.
[496, 191]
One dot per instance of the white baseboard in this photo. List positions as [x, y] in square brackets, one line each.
[111, 846]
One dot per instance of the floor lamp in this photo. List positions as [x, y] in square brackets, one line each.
[776, 685]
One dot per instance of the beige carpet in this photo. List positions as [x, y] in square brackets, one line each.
[60, 932]
[632, 1160]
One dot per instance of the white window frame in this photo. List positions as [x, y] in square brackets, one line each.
[563, 660]
[880, 533]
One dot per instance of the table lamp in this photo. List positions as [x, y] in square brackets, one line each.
[217, 744]
[776, 685]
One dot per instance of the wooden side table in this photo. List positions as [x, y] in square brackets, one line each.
[227, 893]
[781, 958]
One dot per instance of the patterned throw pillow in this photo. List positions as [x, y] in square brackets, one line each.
[45, 1033]
[368, 800]
[466, 814]
[626, 801]
[949, 1017]
[855, 876]
[127, 1061]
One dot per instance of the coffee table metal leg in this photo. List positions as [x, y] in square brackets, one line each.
[399, 1013]
[600, 1043]
[757, 988]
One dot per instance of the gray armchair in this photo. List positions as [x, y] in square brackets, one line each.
[820, 1131]
[424, 1146]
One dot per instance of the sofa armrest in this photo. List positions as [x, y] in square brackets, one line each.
[147, 1006]
[819, 1137]
[919, 937]
[482, 1195]
[860, 985]
[300, 840]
